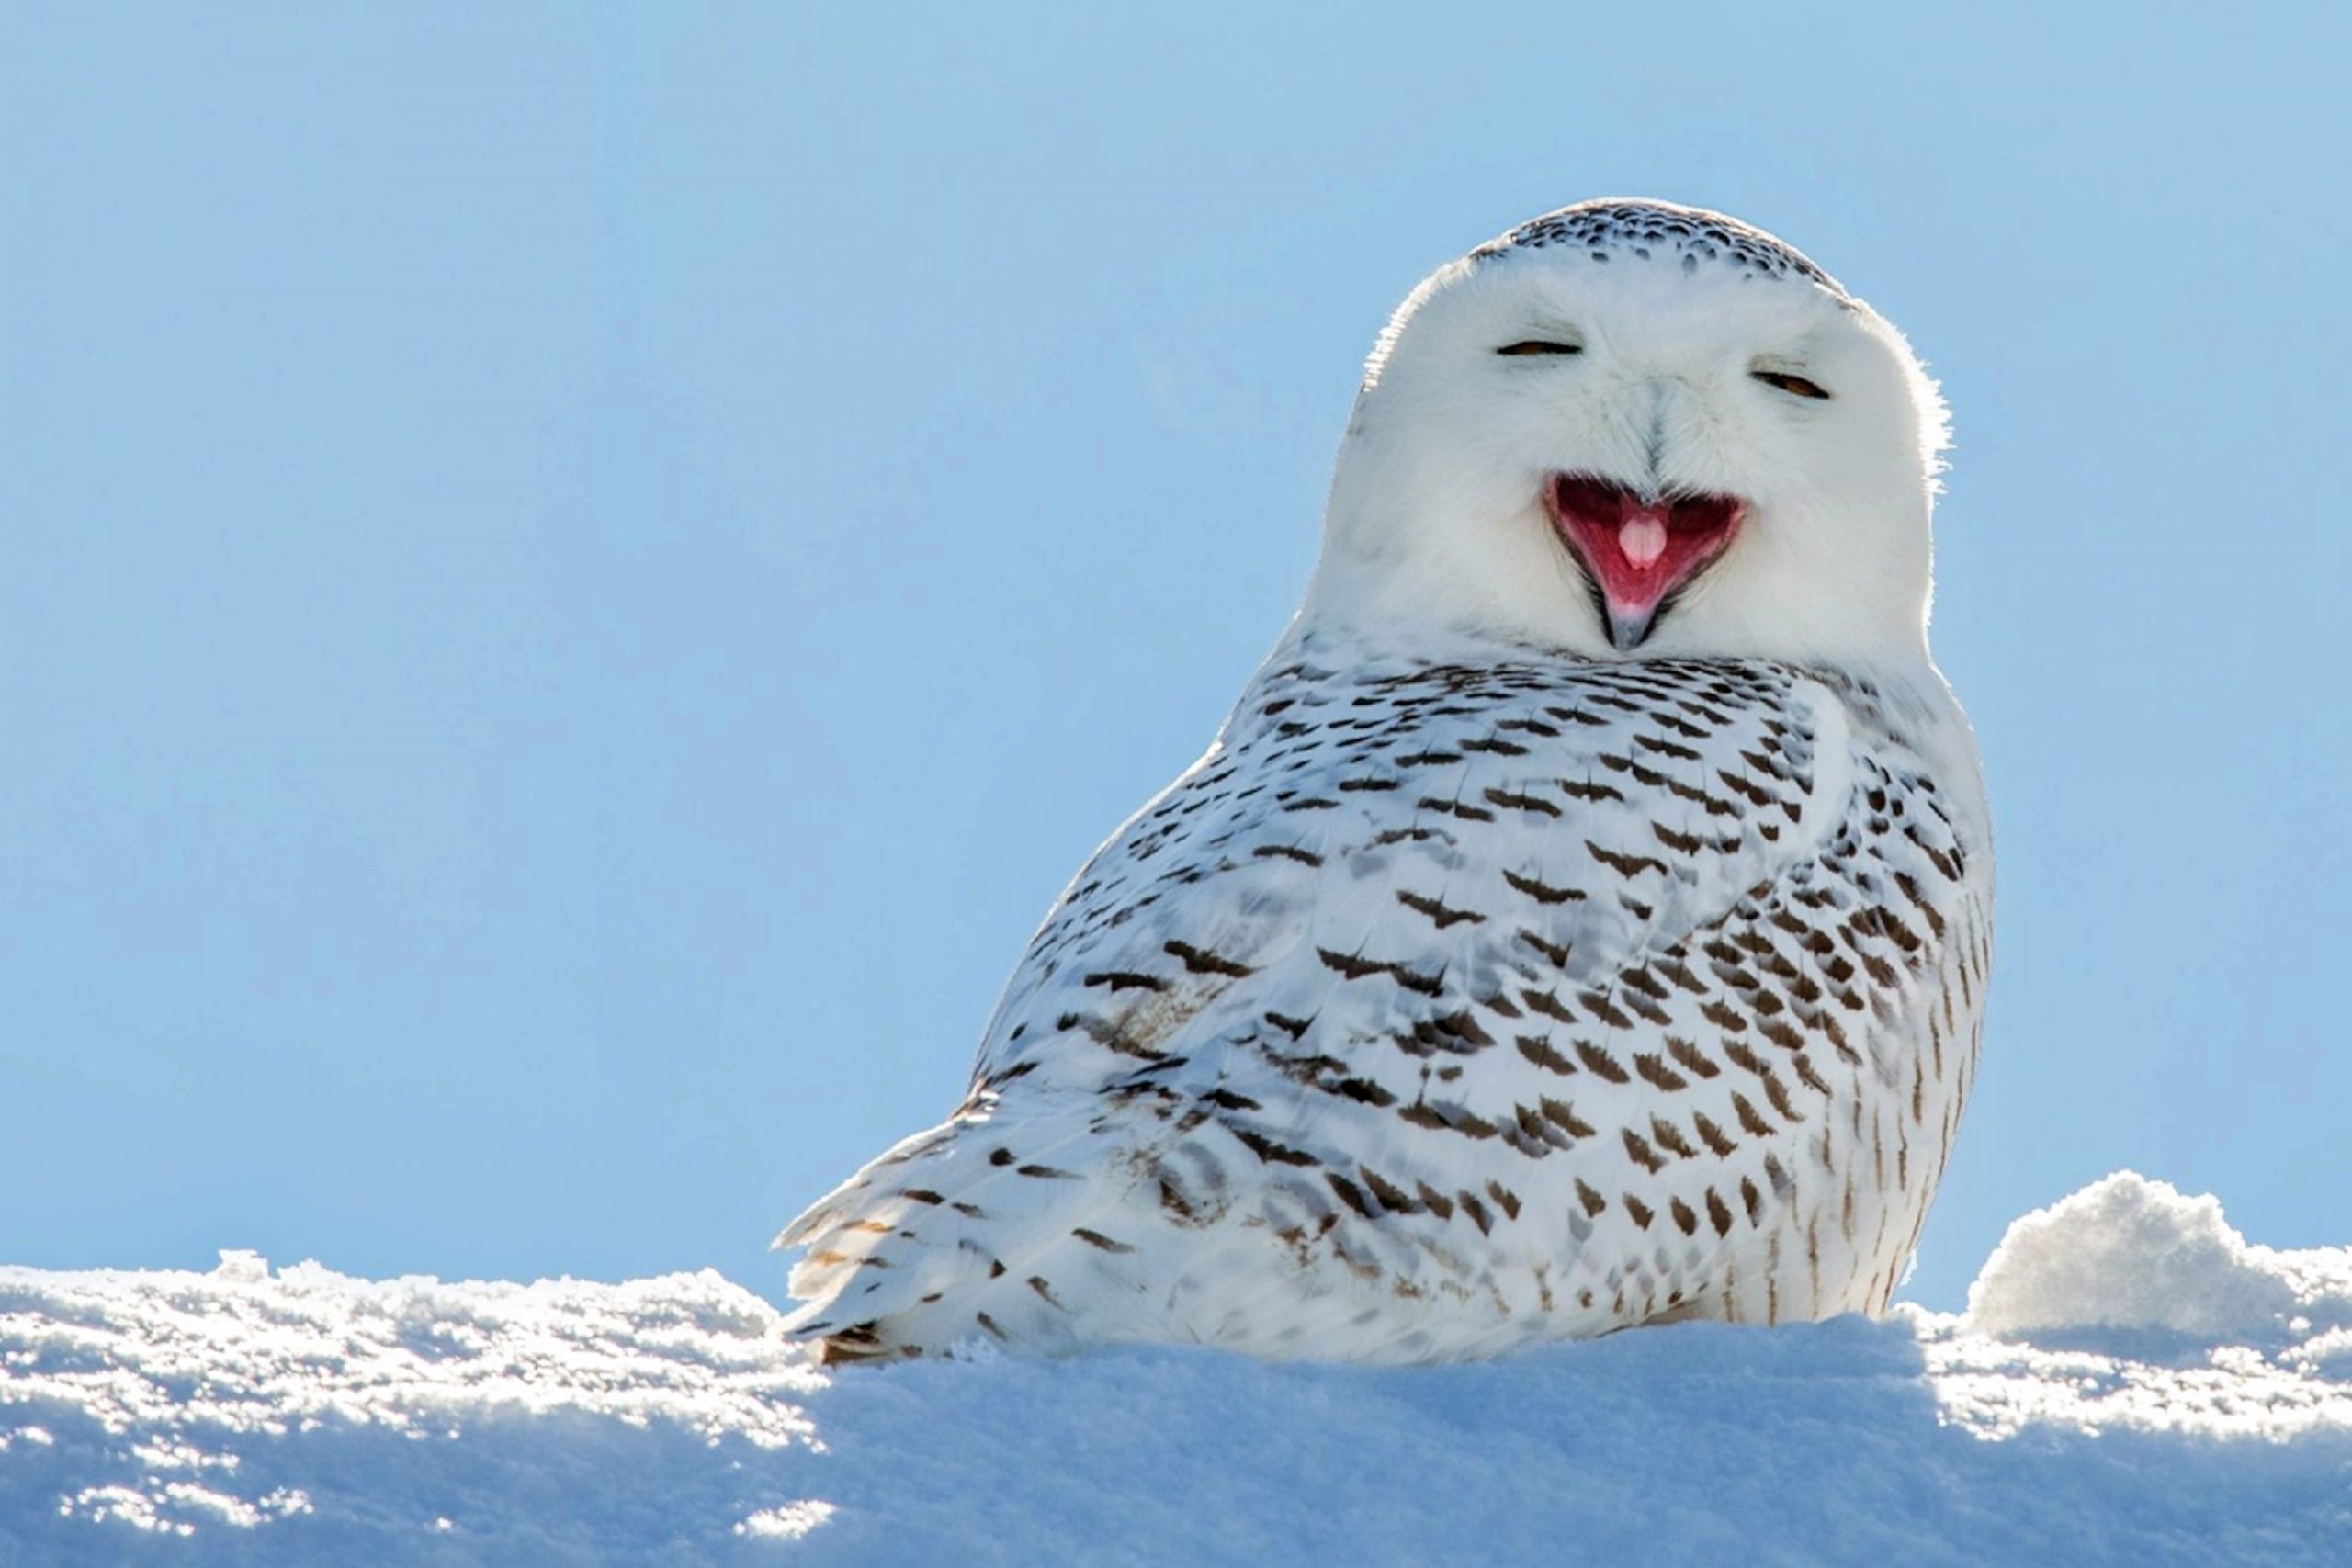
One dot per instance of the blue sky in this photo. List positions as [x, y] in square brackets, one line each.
[575, 581]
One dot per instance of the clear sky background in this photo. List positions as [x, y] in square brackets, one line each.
[572, 583]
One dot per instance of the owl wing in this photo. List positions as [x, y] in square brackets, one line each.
[1356, 860]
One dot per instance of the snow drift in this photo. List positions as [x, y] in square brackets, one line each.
[2134, 1383]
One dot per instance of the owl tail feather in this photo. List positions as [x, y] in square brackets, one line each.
[957, 1235]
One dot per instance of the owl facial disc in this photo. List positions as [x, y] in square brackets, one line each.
[1638, 551]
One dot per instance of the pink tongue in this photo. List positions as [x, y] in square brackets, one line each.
[1635, 555]
[1643, 539]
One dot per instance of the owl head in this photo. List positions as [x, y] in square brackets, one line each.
[1634, 429]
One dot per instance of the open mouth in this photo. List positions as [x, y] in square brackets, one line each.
[1639, 551]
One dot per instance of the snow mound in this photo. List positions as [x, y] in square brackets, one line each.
[247, 1417]
[2126, 1252]
[394, 1421]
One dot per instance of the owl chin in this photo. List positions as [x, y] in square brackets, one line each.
[1638, 551]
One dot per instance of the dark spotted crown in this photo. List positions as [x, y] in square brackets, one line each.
[1613, 229]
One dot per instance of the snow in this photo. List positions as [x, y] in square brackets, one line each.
[2131, 1253]
[2133, 1384]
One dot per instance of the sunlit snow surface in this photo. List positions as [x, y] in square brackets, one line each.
[2165, 1394]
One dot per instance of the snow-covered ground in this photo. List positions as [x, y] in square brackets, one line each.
[2160, 1392]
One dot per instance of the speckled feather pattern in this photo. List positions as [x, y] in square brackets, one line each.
[1461, 998]
[1691, 237]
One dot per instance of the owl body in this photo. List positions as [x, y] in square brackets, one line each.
[1457, 999]
[1584, 916]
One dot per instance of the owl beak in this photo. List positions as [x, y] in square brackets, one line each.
[1639, 551]
[1628, 628]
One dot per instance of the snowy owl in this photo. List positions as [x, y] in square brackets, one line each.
[1582, 920]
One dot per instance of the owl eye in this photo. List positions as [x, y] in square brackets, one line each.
[1538, 345]
[1795, 386]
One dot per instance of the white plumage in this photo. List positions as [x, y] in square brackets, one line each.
[1582, 920]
